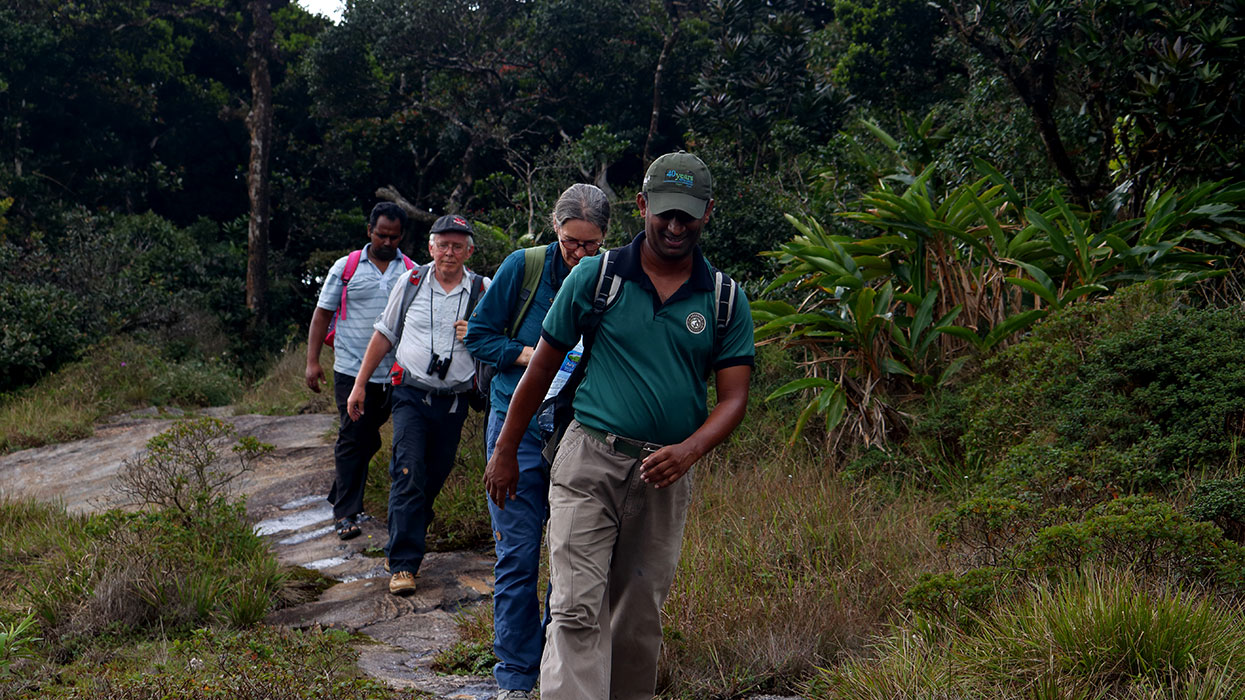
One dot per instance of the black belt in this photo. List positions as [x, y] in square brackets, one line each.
[437, 392]
[455, 390]
[635, 449]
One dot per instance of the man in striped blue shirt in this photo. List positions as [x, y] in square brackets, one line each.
[379, 268]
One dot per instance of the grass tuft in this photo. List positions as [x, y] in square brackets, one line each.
[1104, 634]
[472, 654]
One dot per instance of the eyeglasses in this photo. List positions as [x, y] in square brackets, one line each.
[590, 247]
[446, 245]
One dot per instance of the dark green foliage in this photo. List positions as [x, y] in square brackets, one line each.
[1127, 394]
[1140, 534]
[1128, 95]
[957, 599]
[986, 527]
[747, 218]
[1222, 502]
[1169, 393]
[1136, 394]
[43, 326]
[885, 52]
[1137, 533]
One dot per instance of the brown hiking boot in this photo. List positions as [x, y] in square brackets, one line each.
[402, 583]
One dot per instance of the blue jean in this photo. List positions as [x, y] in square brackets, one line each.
[425, 439]
[519, 631]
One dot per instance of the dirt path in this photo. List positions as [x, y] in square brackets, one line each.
[285, 496]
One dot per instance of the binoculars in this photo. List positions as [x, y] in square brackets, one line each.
[438, 365]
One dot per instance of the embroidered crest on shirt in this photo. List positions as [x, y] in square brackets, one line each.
[696, 323]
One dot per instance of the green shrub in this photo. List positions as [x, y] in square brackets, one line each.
[1141, 535]
[1104, 399]
[1169, 393]
[957, 600]
[43, 327]
[193, 382]
[1020, 390]
[186, 468]
[1222, 502]
[987, 528]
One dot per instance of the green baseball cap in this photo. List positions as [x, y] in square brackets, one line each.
[678, 181]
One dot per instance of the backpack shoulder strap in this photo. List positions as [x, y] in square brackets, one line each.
[608, 284]
[533, 269]
[476, 284]
[416, 281]
[606, 291]
[607, 287]
[407, 261]
[352, 264]
[724, 308]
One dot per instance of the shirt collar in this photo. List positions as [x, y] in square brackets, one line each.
[628, 265]
[464, 284]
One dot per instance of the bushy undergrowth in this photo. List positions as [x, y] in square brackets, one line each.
[190, 465]
[1103, 634]
[114, 376]
[1126, 395]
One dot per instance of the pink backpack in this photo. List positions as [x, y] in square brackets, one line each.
[352, 263]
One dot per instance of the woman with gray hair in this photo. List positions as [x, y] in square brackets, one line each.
[503, 332]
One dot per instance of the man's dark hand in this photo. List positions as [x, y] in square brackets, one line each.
[314, 376]
[669, 464]
[501, 476]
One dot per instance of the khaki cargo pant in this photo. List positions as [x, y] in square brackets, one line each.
[614, 544]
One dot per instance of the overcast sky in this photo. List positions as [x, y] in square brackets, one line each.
[329, 8]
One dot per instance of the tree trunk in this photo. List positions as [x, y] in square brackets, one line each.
[659, 72]
[462, 191]
[259, 123]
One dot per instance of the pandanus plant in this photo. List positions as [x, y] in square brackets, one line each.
[885, 317]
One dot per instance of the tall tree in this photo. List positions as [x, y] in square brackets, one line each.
[259, 124]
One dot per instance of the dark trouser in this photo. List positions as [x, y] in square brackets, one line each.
[426, 430]
[357, 443]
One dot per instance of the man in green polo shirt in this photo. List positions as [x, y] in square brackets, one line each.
[619, 486]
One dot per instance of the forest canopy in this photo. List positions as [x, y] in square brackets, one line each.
[128, 132]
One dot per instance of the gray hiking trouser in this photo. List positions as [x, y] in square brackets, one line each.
[614, 544]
